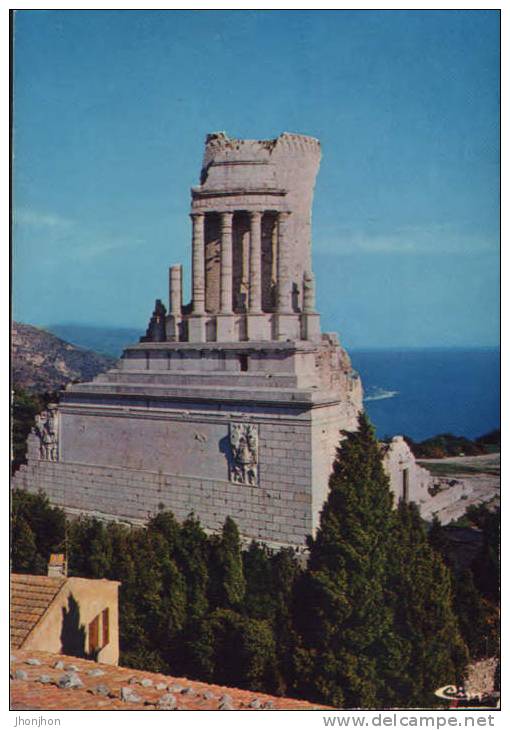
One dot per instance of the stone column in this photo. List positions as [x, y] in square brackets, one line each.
[226, 264]
[198, 275]
[308, 292]
[196, 322]
[225, 324]
[258, 324]
[284, 292]
[255, 262]
[310, 320]
[175, 302]
[175, 285]
[287, 321]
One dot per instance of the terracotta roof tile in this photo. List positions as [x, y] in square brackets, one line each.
[31, 596]
[31, 694]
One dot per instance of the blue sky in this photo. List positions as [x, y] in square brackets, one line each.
[111, 109]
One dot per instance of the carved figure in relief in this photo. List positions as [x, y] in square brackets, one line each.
[46, 429]
[244, 443]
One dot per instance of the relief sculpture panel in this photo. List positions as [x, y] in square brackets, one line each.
[46, 429]
[244, 444]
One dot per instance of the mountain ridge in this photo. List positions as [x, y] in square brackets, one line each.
[104, 339]
[43, 362]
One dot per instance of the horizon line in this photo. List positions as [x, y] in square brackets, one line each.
[351, 348]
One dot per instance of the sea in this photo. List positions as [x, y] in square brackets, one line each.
[424, 392]
[416, 392]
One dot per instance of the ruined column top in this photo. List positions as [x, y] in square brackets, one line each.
[251, 166]
[219, 147]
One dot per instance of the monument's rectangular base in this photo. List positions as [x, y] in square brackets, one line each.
[247, 430]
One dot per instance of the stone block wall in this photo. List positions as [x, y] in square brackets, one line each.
[277, 510]
[408, 479]
[278, 514]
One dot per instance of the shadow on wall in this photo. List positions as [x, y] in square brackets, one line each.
[73, 633]
[226, 450]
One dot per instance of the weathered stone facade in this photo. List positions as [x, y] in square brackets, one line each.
[409, 481]
[234, 403]
[252, 242]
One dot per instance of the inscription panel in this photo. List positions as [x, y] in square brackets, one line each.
[173, 447]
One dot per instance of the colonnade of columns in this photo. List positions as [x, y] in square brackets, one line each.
[284, 287]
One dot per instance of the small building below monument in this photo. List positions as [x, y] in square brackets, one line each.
[71, 616]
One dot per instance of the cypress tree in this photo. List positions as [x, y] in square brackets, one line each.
[344, 621]
[227, 583]
[478, 616]
[100, 555]
[285, 575]
[259, 596]
[24, 556]
[166, 525]
[90, 550]
[486, 566]
[155, 602]
[420, 587]
[472, 614]
[25, 406]
[374, 608]
[438, 541]
[192, 555]
[235, 650]
[46, 522]
[270, 581]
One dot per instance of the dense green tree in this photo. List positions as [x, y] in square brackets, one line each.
[342, 616]
[270, 581]
[227, 584]
[446, 444]
[25, 406]
[424, 617]
[153, 592]
[192, 555]
[486, 566]
[476, 587]
[472, 614]
[24, 555]
[259, 599]
[368, 623]
[166, 524]
[235, 650]
[47, 525]
[379, 627]
[89, 548]
[285, 576]
[491, 439]
[438, 540]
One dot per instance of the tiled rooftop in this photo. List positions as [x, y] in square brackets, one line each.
[38, 682]
[31, 596]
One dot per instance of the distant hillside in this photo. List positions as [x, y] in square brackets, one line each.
[42, 362]
[106, 340]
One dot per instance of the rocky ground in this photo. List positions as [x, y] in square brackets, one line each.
[480, 678]
[462, 481]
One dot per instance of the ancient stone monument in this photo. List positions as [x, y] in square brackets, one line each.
[231, 404]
